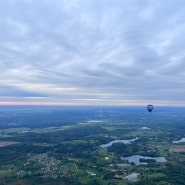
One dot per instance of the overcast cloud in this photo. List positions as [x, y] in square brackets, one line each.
[92, 51]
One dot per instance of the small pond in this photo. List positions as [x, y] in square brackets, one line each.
[137, 159]
[180, 141]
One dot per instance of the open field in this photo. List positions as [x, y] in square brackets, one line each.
[7, 143]
[177, 148]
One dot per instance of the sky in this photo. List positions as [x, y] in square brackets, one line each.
[92, 52]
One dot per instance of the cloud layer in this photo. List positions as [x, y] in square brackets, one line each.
[92, 52]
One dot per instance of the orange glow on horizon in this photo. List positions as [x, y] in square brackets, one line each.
[90, 103]
[35, 103]
[80, 103]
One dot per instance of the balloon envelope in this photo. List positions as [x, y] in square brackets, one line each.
[150, 108]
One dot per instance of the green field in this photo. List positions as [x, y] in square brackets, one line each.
[72, 155]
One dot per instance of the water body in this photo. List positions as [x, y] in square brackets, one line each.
[122, 165]
[145, 128]
[180, 141]
[136, 159]
[128, 141]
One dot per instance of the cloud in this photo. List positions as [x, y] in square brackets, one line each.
[92, 51]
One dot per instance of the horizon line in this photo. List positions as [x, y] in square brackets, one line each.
[17, 103]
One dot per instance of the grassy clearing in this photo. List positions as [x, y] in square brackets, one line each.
[7, 143]
[157, 175]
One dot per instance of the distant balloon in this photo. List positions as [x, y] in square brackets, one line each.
[150, 108]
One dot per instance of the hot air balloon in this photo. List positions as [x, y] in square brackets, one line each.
[149, 108]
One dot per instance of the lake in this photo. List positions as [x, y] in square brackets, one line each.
[127, 141]
[136, 159]
[180, 141]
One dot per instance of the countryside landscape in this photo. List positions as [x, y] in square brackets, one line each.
[91, 145]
